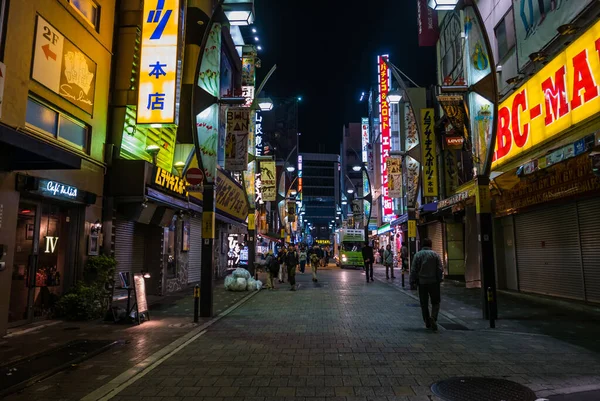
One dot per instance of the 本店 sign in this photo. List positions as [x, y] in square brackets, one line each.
[564, 93]
[429, 150]
[158, 64]
[383, 78]
[236, 142]
[61, 67]
[166, 180]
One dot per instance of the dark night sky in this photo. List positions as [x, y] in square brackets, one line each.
[326, 50]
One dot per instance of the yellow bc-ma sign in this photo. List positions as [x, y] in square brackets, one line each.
[565, 92]
[158, 65]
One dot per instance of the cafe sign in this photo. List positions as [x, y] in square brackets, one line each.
[564, 93]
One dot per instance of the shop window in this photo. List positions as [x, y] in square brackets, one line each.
[170, 247]
[88, 10]
[505, 35]
[52, 122]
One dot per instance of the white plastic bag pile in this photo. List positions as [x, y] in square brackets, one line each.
[241, 280]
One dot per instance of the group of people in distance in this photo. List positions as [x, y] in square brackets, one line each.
[290, 259]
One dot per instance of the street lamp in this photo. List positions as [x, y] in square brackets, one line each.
[290, 169]
[394, 97]
[356, 168]
[239, 13]
[350, 190]
[442, 5]
[265, 104]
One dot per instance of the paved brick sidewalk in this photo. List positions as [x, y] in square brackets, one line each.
[345, 340]
[171, 318]
[522, 314]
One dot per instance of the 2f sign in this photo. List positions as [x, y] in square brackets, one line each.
[47, 55]
[51, 244]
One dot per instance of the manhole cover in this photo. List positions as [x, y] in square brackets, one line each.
[481, 389]
[454, 326]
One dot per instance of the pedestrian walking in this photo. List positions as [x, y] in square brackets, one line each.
[303, 258]
[272, 265]
[314, 263]
[291, 260]
[282, 269]
[369, 258]
[404, 256]
[427, 272]
[388, 261]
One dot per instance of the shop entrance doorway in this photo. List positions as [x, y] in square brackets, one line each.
[39, 263]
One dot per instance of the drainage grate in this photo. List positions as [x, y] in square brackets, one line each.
[481, 389]
[453, 326]
[25, 372]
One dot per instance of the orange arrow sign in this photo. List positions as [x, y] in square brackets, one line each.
[49, 53]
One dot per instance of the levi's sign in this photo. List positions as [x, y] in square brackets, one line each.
[565, 92]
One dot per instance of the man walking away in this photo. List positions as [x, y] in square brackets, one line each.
[427, 271]
[281, 256]
[291, 261]
[272, 265]
[303, 257]
[388, 261]
[369, 258]
[314, 263]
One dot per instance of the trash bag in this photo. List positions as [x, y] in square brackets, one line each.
[259, 285]
[229, 280]
[241, 273]
[239, 285]
[250, 284]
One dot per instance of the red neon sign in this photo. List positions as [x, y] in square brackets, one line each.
[384, 118]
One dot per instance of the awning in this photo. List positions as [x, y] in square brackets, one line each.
[19, 151]
[268, 237]
[400, 220]
[429, 207]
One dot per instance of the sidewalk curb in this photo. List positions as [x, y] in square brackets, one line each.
[568, 390]
[130, 376]
[447, 315]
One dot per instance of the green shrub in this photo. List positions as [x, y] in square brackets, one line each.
[87, 300]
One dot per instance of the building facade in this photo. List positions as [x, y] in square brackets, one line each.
[56, 57]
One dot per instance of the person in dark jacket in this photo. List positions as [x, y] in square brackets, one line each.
[388, 261]
[272, 267]
[427, 271]
[369, 258]
[291, 261]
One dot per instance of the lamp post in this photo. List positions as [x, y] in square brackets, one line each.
[482, 85]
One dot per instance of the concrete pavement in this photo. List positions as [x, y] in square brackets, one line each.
[345, 340]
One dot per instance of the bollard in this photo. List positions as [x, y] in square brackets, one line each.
[490, 300]
[196, 302]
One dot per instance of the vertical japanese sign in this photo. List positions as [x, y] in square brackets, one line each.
[428, 24]
[158, 65]
[394, 170]
[300, 179]
[365, 139]
[384, 118]
[429, 150]
[268, 180]
[236, 141]
[259, 134]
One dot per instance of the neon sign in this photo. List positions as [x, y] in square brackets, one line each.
[383, 78]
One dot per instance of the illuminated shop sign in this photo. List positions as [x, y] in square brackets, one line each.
[365, 139]
[54, 188]
[158, 64]
[259, 134]
[384, 117]
[429, 154]
[170, 182]
[562, 94]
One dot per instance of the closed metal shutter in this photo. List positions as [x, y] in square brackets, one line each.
[195, 250]
[129, 249]
[589, 229]
[548, 255]
[435, 232]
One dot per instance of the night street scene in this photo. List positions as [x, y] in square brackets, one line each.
[287, 200]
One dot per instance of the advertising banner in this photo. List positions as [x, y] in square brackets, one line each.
[365, 139]
[429, 150]
[561, 95]
[268, 179]
[394, 168]
[427, 20]
[536, 23]
[384, 117]
[236, 140]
